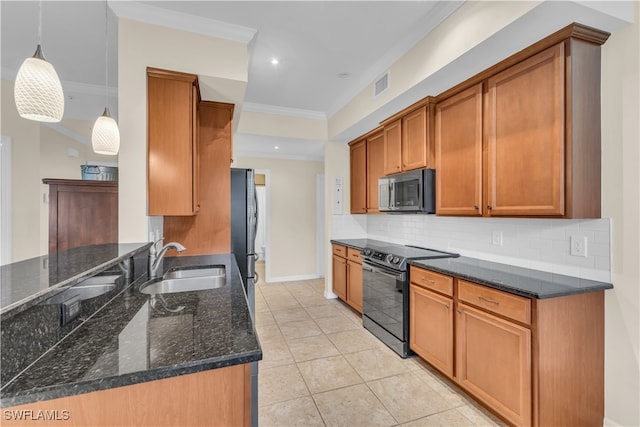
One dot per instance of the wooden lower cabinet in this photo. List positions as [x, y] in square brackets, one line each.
[340, 277]
[431, 328]
[347, 275]
[536, 362]
[218, 397]
[493, 359]
[354, 282]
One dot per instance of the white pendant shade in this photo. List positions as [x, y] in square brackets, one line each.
[38, 92]
[105, 137]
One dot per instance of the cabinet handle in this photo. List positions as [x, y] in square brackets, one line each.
[490, 301]
[459, 311]
[447, 306]
[489, 207]
[476, 207]
[428, 280]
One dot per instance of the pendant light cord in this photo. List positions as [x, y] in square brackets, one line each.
[106, 54]
[40, 22]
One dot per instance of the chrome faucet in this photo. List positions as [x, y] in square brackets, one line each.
[156, 256]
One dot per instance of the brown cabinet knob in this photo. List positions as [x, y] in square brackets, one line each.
[476, 207]
[489, 207]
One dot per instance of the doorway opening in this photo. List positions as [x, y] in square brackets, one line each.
[262, 239]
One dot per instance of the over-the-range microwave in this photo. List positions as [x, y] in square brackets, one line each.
[413, 191]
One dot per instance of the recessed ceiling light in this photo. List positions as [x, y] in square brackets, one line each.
[274, 61]
[343, 75]
[276, 147]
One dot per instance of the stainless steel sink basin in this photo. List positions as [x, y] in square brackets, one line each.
[194, 272]
[187, 280]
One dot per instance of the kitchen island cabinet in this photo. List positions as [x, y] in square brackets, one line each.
[218, 397]
[145, 359]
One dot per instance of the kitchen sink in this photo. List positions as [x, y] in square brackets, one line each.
[187, 280]
[205, 271]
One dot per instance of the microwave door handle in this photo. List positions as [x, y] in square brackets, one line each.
[392, 195]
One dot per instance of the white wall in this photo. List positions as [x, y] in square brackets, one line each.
[140, 46]
[620, 202]
[291, 216]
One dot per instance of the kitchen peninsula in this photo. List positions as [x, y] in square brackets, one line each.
[128, 351]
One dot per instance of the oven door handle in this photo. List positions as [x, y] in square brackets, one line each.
[368, 267]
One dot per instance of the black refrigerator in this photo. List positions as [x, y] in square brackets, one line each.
[244, 224]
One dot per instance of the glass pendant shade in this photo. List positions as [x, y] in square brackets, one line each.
[37, 91]
[105, 137]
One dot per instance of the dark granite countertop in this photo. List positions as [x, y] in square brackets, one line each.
[362, 243]
[516, 280]
[29, 282]
[135, 339]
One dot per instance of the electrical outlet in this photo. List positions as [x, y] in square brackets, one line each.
[578, 246]
[496, 238]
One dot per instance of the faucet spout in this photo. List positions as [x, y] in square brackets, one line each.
[156, 256]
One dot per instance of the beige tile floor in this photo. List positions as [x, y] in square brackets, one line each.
[320, 367]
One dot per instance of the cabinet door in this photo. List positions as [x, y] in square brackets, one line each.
[431, 328]
[393, 147]
[414, 139]
[359, 177]
[375, 169]
[493, 362]
[458, 138]
[171, 172]
[354, 288]
[525, 128]
[340, 277]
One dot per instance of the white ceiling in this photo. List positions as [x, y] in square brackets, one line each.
[313, 40]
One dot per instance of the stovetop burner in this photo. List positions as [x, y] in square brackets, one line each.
[396, 256]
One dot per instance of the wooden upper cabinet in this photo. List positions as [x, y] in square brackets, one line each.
[458, 142]
[375, 169]
[393, 147]
[525, 137]
[415, 141]
[358, 152]
[172, 164]
[408, 138]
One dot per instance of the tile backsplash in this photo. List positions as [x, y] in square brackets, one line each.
[541, 244]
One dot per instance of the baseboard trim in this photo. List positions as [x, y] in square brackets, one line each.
[293, 278]
[330, 295]
[609, 423]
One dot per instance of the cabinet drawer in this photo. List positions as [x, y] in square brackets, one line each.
[354, 255]
[431, 280]
[502, 303]
[340, 250]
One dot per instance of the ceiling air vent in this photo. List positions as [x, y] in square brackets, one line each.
[381, 84]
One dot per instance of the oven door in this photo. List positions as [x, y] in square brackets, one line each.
[385, 298]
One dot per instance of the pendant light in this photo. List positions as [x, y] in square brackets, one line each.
[105, 137]
[37, 91]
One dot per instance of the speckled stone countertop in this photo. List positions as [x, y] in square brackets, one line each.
[29, 282]
[137, 337]
[516, 280]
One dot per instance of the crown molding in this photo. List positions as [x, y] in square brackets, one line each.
[136, 11]
[434, 18]
[283, 111]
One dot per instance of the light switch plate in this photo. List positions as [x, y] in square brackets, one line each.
[337, 196]
[496, 238]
